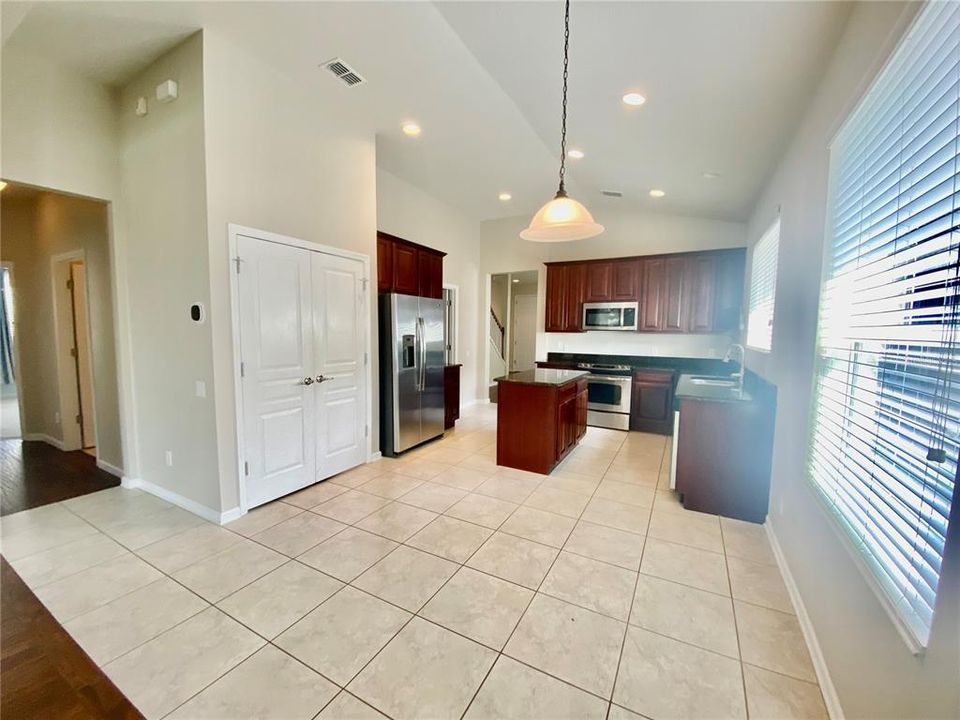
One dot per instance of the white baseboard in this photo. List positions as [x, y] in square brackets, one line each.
[41, 437]
[375, 456]
[112, 469]
[830, 697]
[469, 403]
[187, 504]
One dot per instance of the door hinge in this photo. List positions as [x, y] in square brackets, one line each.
[366, 431]
[366, 359]
[70, 284]
[242, 369]
[73, 352]
[246, 468]
[237, 260]
[78, 420]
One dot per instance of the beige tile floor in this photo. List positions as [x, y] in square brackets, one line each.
[435, 586]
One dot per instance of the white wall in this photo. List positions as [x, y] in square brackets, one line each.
[407, 211]
[164, 201]
[61, 131]
[626, 234]
[278, 158]
[874, 673]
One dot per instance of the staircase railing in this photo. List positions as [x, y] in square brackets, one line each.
[497, 333]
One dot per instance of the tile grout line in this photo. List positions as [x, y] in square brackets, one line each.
[633, 597]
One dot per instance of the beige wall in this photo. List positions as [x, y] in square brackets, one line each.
[408, 212]
[874, 673]
[164, 189]
[32, 231]
[279, 159]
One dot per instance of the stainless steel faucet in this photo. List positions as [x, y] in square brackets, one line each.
[742, 359]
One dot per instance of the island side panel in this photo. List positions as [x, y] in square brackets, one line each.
[527, 426]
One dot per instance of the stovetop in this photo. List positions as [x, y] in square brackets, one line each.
[605, 368]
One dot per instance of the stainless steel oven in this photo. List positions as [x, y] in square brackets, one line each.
[610, 316]
[608, 396]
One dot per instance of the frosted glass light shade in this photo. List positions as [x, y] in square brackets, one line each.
[561, 220]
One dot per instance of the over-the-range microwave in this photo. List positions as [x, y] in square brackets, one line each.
[610, 316]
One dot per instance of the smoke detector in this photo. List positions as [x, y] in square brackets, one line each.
[346, 74]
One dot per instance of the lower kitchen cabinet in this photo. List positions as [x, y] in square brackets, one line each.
[651, 401]
[451, 395]
[723, 456]
[539, 424]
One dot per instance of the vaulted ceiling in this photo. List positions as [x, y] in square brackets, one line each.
[725, 82]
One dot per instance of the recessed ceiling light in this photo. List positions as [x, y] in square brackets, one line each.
[505, 196]
[516, 279]
[410, 128]
[633, 98]
[711, 175]
[657, 193]
[575, 154]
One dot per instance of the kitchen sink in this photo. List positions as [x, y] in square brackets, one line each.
[714, 381]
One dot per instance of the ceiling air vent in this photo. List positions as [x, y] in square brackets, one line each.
[346, 74]
[611, 193]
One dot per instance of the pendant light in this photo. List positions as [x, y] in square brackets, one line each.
[563, 218]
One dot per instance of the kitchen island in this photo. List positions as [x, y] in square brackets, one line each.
[541, 415]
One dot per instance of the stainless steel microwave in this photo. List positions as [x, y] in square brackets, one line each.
[610, 316]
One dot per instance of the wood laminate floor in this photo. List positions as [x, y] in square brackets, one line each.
[43, 672]
[35, 473]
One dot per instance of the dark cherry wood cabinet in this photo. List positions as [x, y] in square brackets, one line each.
[451, 395]
[565, 291]
[538, 425]
[599, 282]
[384, 263]
[407, 268]
[625, 280]
[651, 401]
[696, 292]
[702, 287]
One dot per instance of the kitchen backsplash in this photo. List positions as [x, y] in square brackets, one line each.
[646, 344]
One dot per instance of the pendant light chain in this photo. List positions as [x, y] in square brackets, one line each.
[561, 192]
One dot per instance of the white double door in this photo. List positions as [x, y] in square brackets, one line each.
[302, 344]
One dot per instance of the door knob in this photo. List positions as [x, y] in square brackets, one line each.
[321, 378]
[308, 381]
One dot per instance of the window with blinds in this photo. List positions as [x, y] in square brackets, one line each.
[763, 288]
[884, 436]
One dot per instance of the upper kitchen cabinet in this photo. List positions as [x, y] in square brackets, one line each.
[699, 292]
[407, 268]
[565, 292]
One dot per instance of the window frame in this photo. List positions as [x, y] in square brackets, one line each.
[772, 231]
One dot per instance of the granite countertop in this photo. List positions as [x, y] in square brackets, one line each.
[543, 376]
[687, 389]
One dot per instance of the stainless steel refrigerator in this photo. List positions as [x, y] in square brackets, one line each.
[411, 371]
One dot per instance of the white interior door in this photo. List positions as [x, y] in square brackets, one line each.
[524, 332]
[338, 340]
[81, 337]
[276, 346]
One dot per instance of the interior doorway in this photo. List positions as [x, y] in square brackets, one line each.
[10, 421]
[511, 325]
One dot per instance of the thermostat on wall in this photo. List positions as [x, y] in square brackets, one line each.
[197, 313]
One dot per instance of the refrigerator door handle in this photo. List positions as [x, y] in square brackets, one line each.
[423, 353]
[417, 350]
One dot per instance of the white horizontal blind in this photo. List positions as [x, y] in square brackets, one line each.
[763, 287]
[887, 396]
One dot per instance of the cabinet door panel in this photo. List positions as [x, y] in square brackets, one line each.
[651, 314]
[673, 299]
[406, 269]
[625, 278]
[702, 295]
[573, 299]
[556, 293]
[598, 280]
[430, 271]
[384, 264]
